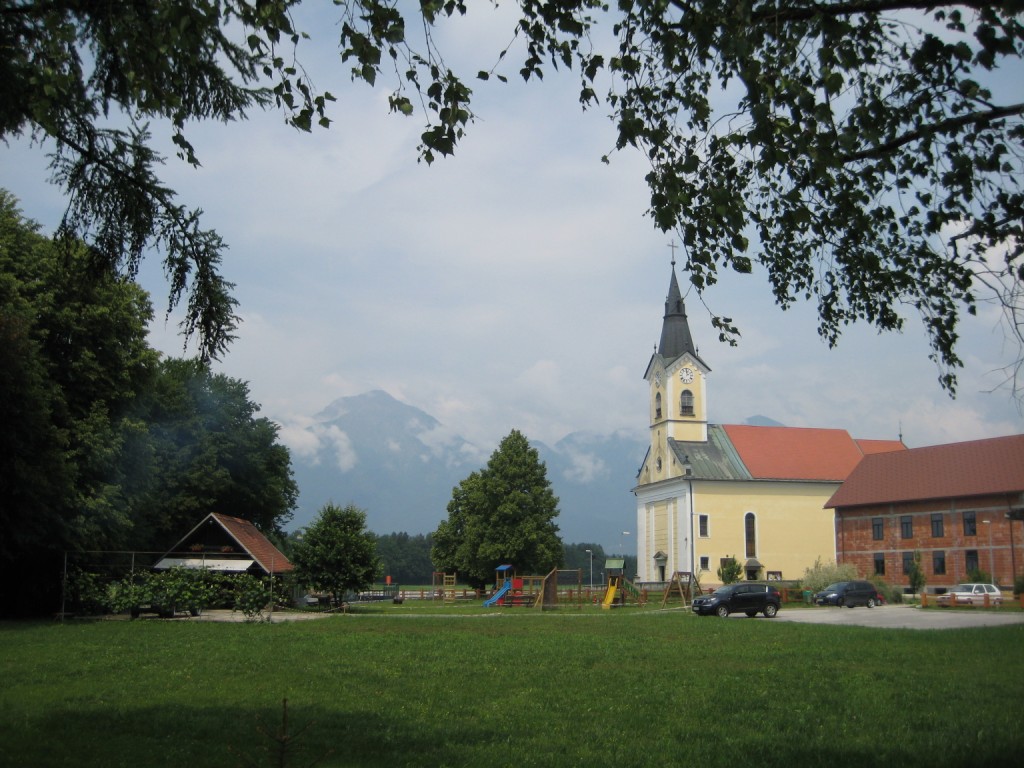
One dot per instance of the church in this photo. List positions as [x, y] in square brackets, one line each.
[707, 492]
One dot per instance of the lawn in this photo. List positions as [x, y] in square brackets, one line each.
[477, 688]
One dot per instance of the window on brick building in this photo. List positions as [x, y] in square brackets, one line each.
[877, 528]
[880, 563]
[908, 562]
[937, 527]
[971, 560]
[906, 527]
[970, 524]
[939, 563]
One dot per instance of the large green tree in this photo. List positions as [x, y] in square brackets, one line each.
[505, 513]
[103, 445]
[866, 153]
[206, 450]
[337, 554]
[73, 357]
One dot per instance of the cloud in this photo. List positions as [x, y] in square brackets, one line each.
[585, 468]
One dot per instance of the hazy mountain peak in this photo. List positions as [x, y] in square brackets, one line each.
[762, 421]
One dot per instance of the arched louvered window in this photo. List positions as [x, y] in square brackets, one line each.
[657, 406]
[686, 403]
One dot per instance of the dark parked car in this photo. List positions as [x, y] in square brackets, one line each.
[745, 597]
[848, 593]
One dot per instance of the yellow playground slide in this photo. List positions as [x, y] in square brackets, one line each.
[609, 596]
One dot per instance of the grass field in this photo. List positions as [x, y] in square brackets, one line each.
[406, 687]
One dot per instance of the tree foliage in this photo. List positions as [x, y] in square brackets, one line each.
[729, 570]
[867, 154]
[405, 558]
[104, 446]
[504, 513]
[74, 356]
[821, 574]
[337, 553]
[202, 449]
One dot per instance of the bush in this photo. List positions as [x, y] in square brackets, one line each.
[1018, 586]
[979, 576]
[86, 593]
[185, 589]
[251, 596]
[730, 570]
[820, 575]
[893, 594]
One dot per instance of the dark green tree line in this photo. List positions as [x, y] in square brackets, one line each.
[105, 446]
[406, 558]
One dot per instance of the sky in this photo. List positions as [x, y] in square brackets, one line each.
[518, 284]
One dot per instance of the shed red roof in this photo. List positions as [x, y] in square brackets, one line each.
[953, 470]
[793, 453]
[256, 544]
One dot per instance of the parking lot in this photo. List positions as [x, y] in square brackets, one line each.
[902, 617]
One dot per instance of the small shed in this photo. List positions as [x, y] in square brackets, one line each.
[227, 545]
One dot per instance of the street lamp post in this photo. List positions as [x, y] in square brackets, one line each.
[591, 553]
[624, 533]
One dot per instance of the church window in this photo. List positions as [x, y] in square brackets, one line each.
[750, 527]
[705, 563]
[686, 403]
[657, 405]
[703, 525]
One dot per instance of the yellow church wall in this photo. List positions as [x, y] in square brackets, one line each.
[660, 521]
[792, 527]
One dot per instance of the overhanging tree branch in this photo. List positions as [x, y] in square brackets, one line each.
[945, 126]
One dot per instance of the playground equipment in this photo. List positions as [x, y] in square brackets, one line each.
[535, 591]
[620, 589]
[505, 576]
[444, 586]
[684, 584]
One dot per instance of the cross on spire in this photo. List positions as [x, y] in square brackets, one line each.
[673, 246]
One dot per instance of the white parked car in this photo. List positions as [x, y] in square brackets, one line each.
[972, 594]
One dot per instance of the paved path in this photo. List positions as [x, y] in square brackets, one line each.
[902, 617]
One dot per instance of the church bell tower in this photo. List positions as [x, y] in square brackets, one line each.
[677, 381]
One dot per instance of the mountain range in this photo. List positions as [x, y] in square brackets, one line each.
[400, 464]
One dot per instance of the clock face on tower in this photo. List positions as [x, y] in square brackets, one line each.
[686, 375]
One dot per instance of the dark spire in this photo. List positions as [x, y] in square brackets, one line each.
[675, 331]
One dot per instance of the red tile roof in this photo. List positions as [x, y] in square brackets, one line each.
[255, 543]
[869, 447]
[954, 470]
[793, 453]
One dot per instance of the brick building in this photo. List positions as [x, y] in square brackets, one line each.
[959, 506]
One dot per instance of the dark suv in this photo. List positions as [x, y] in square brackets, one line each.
[848, 593]
[746, 597]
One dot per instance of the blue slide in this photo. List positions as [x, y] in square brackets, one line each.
[493, 599]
